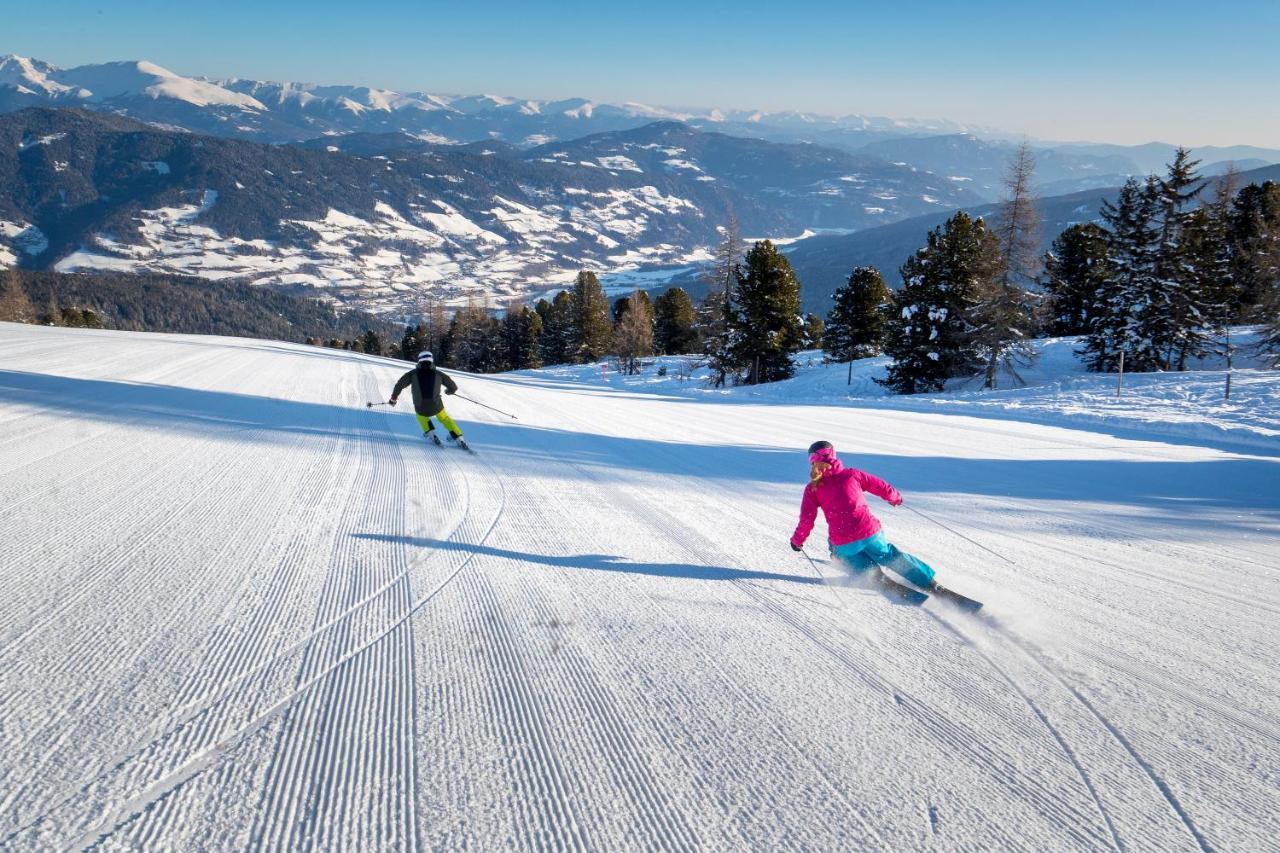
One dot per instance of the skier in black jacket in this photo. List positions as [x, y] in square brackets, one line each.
[426, 382]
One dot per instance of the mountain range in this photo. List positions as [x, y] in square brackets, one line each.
[287, 112]
[396, 219]
[377, 198]
[290, 112]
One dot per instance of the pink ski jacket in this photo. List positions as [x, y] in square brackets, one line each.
[840, 493]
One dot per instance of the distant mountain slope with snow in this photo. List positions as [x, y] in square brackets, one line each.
[88, 191]
[292, 111]
[240, 609]
[280, 112]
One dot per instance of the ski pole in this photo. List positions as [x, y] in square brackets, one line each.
[822, 579]
[485, 405]
[371, 405]
[962, 536]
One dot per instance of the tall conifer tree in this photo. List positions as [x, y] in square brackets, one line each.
[856, 322]
[929, 336]
[675, 322]
[767, 327]
[1132, 245]
[591, 327]
[1075, 270]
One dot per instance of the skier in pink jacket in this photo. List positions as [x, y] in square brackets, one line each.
[853, 531]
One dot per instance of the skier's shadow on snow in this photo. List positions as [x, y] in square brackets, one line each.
[595, 562]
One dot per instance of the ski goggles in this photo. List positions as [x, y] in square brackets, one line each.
[825, 455]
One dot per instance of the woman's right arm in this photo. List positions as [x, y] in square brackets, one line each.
[808, 512]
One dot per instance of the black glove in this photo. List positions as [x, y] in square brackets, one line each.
[450, 391]
[391, 402]
[795, 547]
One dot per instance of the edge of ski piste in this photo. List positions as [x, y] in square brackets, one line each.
[855, 536]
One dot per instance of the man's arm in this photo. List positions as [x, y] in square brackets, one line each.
[401, 385]
[450, 387]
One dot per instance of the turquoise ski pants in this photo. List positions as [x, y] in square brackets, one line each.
[875, 550]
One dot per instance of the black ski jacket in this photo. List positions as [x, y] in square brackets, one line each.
[426, 381]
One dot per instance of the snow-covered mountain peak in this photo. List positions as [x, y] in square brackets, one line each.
[140, 78]
[34, 76]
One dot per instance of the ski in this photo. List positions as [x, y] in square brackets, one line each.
[898, 591]
[894, 588]
[954, 598]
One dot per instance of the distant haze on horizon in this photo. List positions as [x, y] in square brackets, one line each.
[1100, 73]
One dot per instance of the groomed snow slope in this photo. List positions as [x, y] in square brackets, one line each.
[239, 609]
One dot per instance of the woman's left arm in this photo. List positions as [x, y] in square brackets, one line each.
[878, 487]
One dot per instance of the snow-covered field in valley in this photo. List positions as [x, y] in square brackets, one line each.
[239, 609]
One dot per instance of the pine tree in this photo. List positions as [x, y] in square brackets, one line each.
[675, 322]
[633, 334]
[409, 344]
[371, 343]
[475, 341]
[521, 332]
[1255, 230]
[1262, 263]
[718, 313]
[591, 327]
[1210, 271]
[815, 331]
[557, 329]
[15, 307]
[856, 322]
[1075, 270]
[532, 348]
[929, 336]
[767, 326]
[52, 314]
[1132, 244]
[1002, 317]
[1170, 322]
[1270, 313]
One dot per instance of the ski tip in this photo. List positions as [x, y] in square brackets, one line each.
[966, 605]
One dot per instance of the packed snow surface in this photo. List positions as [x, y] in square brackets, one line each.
[240, 609]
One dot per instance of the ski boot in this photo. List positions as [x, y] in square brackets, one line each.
[434, 438]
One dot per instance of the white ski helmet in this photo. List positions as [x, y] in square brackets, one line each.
[426, 356]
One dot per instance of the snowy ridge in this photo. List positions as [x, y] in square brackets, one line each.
[292, 111]
[593, 634]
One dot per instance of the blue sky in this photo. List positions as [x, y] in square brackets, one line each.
[1119, 71]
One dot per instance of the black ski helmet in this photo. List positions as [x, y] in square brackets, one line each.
[820, 445]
